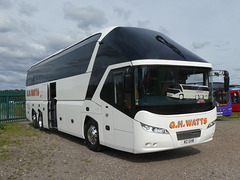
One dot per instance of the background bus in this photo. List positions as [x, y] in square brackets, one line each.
[235, 97]
[221, 93]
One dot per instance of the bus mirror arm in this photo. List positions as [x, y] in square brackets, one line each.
[226, 81]
[128, 80]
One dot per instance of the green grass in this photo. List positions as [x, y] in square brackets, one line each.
[2, 127]
[12, 135]
[10, 130]
[23, 149]
[234, 115]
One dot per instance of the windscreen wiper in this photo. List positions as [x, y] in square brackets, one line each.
[171, 46]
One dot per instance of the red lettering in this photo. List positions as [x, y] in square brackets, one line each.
[33, 92]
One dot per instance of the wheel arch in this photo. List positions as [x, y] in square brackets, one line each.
[88, 119]
[39, 111]
[91, 134]
[33, 112]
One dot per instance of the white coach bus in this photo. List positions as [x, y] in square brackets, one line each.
[188, 91]
[111, 90]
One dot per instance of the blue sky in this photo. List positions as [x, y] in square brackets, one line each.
[33, 29]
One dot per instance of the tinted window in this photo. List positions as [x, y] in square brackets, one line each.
[137, 43]
[235, 97]
[158, 89]
[106, 56]
[127, 43]
[113, 91]
[72, 61]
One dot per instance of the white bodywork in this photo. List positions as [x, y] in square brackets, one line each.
[149, 142]
[125, 133]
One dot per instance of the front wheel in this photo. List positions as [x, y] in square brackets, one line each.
[181, 96]
[92, 136]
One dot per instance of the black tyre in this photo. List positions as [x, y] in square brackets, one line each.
[92, 135]
[40, 121]
[34, 119]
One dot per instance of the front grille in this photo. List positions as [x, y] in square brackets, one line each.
[188, 134]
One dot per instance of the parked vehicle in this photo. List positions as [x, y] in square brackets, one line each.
[235, 97]
[111, 90]
[182, 91]
[221, 93]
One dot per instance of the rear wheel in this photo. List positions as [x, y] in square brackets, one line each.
[92, 136]
[34, 119]
[40, 121]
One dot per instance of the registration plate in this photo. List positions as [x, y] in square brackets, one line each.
[188, 141]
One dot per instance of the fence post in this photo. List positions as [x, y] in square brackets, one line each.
[7, 108]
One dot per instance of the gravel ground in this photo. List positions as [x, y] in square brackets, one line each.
[55, 155]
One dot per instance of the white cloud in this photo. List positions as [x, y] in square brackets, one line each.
[222, 45]
[85, 17]
[7, 52]
[200, 45]
[55, 42]
[122, 12]
[27, 9]
[164, 30]
[14, 78]
[143, 23]
[5, 4]
[12, 48]
[7, 24]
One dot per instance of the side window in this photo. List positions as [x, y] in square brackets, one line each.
[118, 88]
[107, 92]
[235, 97]
[72, 61]
[113, 91]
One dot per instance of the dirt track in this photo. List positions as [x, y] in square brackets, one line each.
[55, 155]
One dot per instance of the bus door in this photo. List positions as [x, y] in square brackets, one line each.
[52, 105]
[118, 125]
[107, 117]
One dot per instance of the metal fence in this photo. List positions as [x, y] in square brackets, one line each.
[12, 106]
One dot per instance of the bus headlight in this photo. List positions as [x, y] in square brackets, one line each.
[211, 124]
[154, 129]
